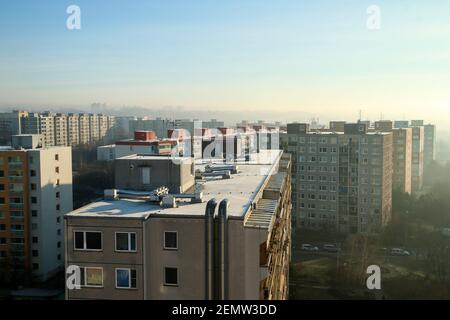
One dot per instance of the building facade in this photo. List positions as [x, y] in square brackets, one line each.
[192, 246]
[417, 158]
[341, 181]
[402, 157]
[36, 191]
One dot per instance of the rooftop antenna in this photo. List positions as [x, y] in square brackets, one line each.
[360, 115]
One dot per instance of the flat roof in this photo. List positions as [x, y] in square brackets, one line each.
[240, 190]
[152, 157]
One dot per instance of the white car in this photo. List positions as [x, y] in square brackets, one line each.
[399, 252]
[309, 247]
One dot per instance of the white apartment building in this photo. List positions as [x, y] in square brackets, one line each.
[60, 132]
[50, 171]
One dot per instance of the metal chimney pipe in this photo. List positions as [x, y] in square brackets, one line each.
[209, 248]
[222, 254]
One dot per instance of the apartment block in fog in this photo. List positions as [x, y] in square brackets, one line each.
[341, 181]
[224, 234]
[402, 159]
[10, 124]
[73, 130]
[60, 129]
[41, 124]
[429, 147]
[402, 153]
[83, 129]
[418, 136]
[35, 193]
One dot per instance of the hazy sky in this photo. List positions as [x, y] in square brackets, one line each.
[314, 56]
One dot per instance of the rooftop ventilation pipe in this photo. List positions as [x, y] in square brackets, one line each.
[209, 242]
[221, 252]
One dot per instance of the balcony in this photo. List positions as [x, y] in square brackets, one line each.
[15, 178]
[18, 233]
[13, 206]
[15, 164]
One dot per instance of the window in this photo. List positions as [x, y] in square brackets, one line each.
[2, 187]
[58, 207]
[57, 195]
[34, 213]
[35, 253]
[91, 277]
[85, 240]
[2, 173]
[126, 278]
[57, 169]
[2, 240]
[33, 173]
[35, 239]
[58, 219]
[33, 200]
[35, 266]
[170, 240]
[2, 200]
[57, 182]
[125, 241]
[56, 157]
[170, 276]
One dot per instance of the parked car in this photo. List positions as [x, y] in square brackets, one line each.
[331, 248]
[309, 247]
[399, 252]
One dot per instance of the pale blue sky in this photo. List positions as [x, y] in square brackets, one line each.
[286, 55]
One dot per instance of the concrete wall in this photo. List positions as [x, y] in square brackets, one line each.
[107, 258]
[163, 172]
[44, 162]
[189, 258]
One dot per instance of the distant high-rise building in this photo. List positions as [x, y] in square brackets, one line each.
[83, 129]
[94, 133]
[341, 181]
[401, 124]
[10, 124]
[42, 124]
[384, 126]
[417, 158]
[57, 129]
[337, 126]
[73, 130]
[60, 129]
[429, 147]
[402, 157]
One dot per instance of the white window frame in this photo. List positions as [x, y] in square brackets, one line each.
[178, 277]
[129, 278]
[84, 240]
[85, 277]
[164, 240]
[129, 241]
